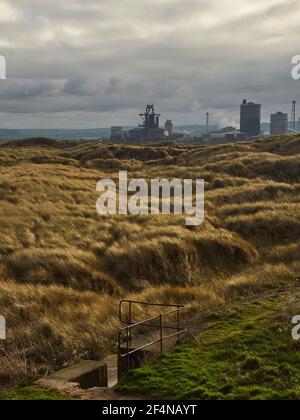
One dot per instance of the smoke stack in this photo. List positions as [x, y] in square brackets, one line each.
[207, 121]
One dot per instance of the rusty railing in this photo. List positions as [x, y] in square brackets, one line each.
[128, 353]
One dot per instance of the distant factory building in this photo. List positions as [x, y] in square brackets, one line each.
[250, 119]
[169, 128]
[279, 123]
[226, 135]
[116, 134]
[149, 130]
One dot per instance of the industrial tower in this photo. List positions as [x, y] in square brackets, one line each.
[150, 120]
[293, 119]
[250, 119]
[150, 129]
[207, 122]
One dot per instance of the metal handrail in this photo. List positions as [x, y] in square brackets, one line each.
[154, 342]
[135, 302]
[147, 323]
[131, 326]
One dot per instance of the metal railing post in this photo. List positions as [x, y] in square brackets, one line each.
[156, 322]
[128, 356]
[130, 313]
[161, 334]
[130, 322]
[119, 355]
[120, 311]
[178, 325]
[119, 343]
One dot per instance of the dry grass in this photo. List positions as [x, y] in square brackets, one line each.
[14, 366]
[63, 268]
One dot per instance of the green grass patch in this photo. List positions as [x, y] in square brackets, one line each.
[31, 393]
[248, 354]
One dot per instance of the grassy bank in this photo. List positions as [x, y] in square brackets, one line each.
[30, 393]
[248, 353]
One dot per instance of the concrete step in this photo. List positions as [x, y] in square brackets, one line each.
[87, 373]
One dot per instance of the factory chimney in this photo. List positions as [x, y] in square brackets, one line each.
[293, 119]
[207, 121]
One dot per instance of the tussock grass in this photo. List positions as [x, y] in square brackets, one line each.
[49, 326]
[181, 260]
[63, 268]
[288, 253]
[68, 267]
[14, 366]
[267, 226]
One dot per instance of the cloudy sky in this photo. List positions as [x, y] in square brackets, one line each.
[95, 63]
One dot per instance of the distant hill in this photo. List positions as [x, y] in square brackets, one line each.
[93, 133]
[66, 134]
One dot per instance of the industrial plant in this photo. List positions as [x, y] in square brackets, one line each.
[251, 127]
[148, 131]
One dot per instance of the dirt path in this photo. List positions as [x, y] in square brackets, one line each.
[95, 394]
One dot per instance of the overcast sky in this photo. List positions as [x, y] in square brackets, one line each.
[96, 63]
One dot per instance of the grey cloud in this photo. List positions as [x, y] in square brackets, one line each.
[114, 86]
[101, 61]
[81, 87]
